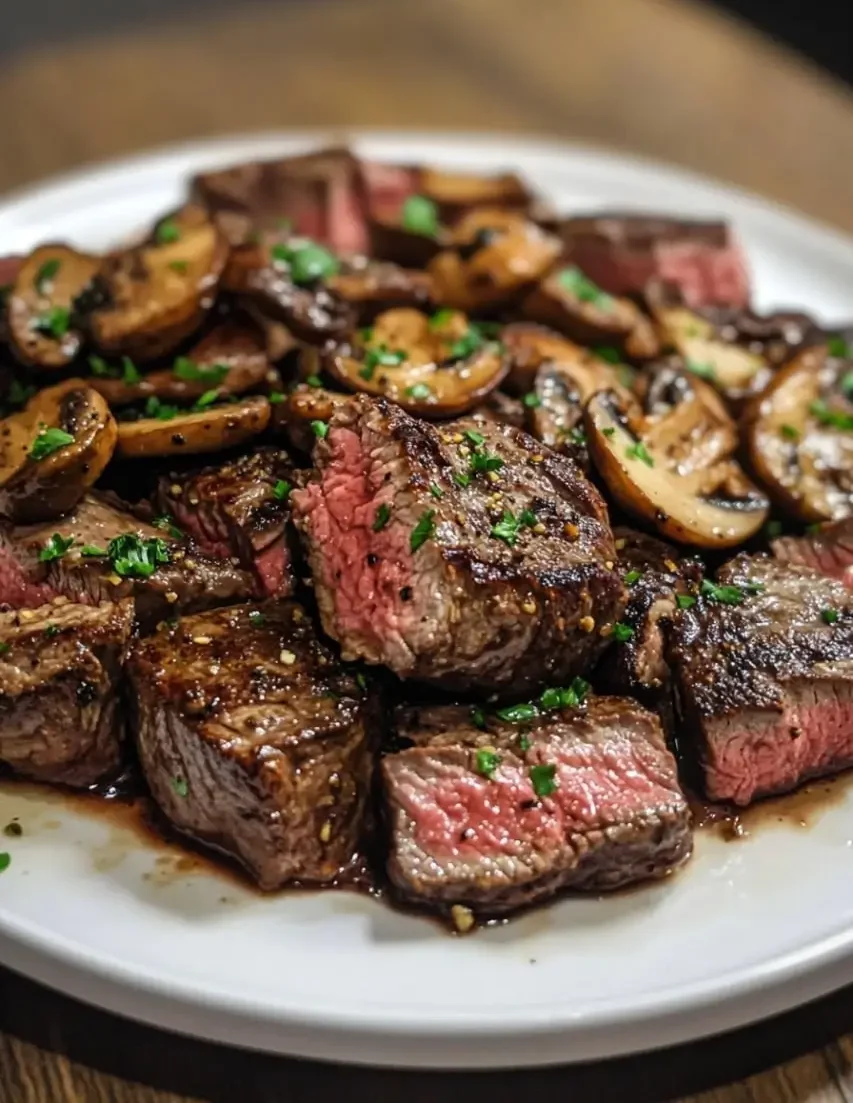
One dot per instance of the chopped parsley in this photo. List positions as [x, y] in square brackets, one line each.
[633, 576]
[180, 786]
[478, 717]
[518, 714]
[319, 428]
[307, 261]
[166, 524]
[54, 322]
[383, 516]
[838, 347]
[167, 232]
[52, 630]
[179, 266]
[46, 274]
[788, 432]
[566, 698]
[441, 318]
[5, 648]
[281, 490]
[577, 284]
[532, 400]
[483, 462]
[543, 779]
[471, 341]
[314, 381]
[684, 601]
[726, 595]
[829, 616]
[49, 441]
[420, 216]
[92, 551]
[475, 438]
[256, 618]
[133, 557]
[577, 436]
[419, 391]
[608, 354]
[609, 431]
[190, 372]
[773, 529]
[461, 479]
[423, 530]
[5, 861]
[205, 400]
[639, 451]
[436, 490]
[704, 371]
[622, 632]
[55, 548]
[162, 411]
[837, 419]
[361, 682]
[380, 357]
[486, 762]
[524, 742]
[509, 526]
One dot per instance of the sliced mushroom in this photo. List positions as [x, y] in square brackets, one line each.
[148, 299]
[231, 359]
[371, 286]
[659, 470]
[435, 367]
[530, 346]
[577, 307]
[53, 450]
[734, 370]
[457, 193]
[41, 324]
[193, 432]
[284, 277]
[302, 414]
[493, 259]
[799, 436]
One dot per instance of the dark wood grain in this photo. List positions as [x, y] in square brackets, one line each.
[671, 80]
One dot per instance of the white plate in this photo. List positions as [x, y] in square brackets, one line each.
[750, 928]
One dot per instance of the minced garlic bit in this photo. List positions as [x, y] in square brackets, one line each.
[586, 624]
[298, 616]
[201, 639]
[175, 490]
[671, 566]
[326, 832]
[539, 528]
[620, 544]
[457, 438]
[287, 657]
[25, 614]
[537, 458]
[529, 606]
[171, 597]
[113, 579]
[609, 564]
[463, 918]
[492, 476]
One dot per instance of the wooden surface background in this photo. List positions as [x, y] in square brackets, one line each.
[663, 77]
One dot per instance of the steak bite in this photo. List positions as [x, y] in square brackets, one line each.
[498, 818]
[60, 665]
[241, 510]
[467, 555]
[764, 669]
[827, 548]
[100, 553]
[255, 740]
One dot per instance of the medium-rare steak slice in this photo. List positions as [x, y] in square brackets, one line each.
[60, 664]
[164, 576]
[622, 252]
[241, 510]
[660, 582]
[826, 548]
[764, 670]
[494, 819]
[466, 554]
[254, 739]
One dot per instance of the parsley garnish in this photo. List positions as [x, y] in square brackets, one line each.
[478, 717]
[160, 410]
[486, 762]
[610, 355]
[827, 416]
[380, 357]
[704, 371]
[838, 347]
[436, 490]
[483, 462]
[52, 630]
[419, 391]
[167, 232]
[773, 529]
[307, 261]
[829, 616]
[726, 595]
[49, 441]
[544, 779]
[256, 618]
[382, 517]
[684, 601]
[475, 438]
[166, 524]
[461, 479]
[423, 530]
[46, 274]
[188, 370]
[281, 489]
[567, 698]
[639, 451]
[5, 861]
[180, 786]
[622, 632]
[133, 557]
[441, 318]
[532, 400]
[577, 436]
[205, 400]
[314, 381]
[609, 432]
[420, 216]
[788, 432]
[524, 742]
[5, 648]
[507, 529]
[55, 548]
[361, 681]
[92, 551]
[55, 322]
[470, 342]
[179, 266]
[518, 714]
[319, 429]
[575, 282]
[847, 384]
[633, 576]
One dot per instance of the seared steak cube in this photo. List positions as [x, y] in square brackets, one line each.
[764, 668]
[255, 740]
[466, 555]
[623, 252]
[495, 819]
[163, 575]
[60, 665]
[828, 549]
[239, 510]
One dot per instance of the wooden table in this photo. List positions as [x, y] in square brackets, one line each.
[668, 79]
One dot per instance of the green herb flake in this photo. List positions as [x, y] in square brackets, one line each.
[461, 479]
[420, 216]
[129, 372]
[524, 742]
[543, 778]
[281, 490]
[167, 232]
[160, 410]
[52, 630]
[314, 381]
[835, 419]
[788, 432]
[320, 429]
[475, 438]
[179, 266]
[54, 322]
[420, 392]
[276, 397]
[578, 437]
[92, 551]
[829, 616]
[423, 530]
[133, 557]
[256, 618]
[685, 601]
[773, 529]
[361, 682]
[46, 275]
[441, 318]
[633, 576]
[49, 441]
[190, 372]
[180, 786]
[507, 529]
[307, 261]
[5, 861]
[638, 451]
[532, 400]
[55, 548]
[380, 357]
[703, 371]
[486, 762]
[5, 648]
[608, 354]
[100, 367]
[609, 431]
[478, 717]
[518, 714]
[483, 462]
[166, 524]
[838, 347]
[622, 632]
[470, 342]
[206, 400]
[583, 289]
[568, 697]
[382, 517]
[436, 490]
[726, 595]
[846, 384]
